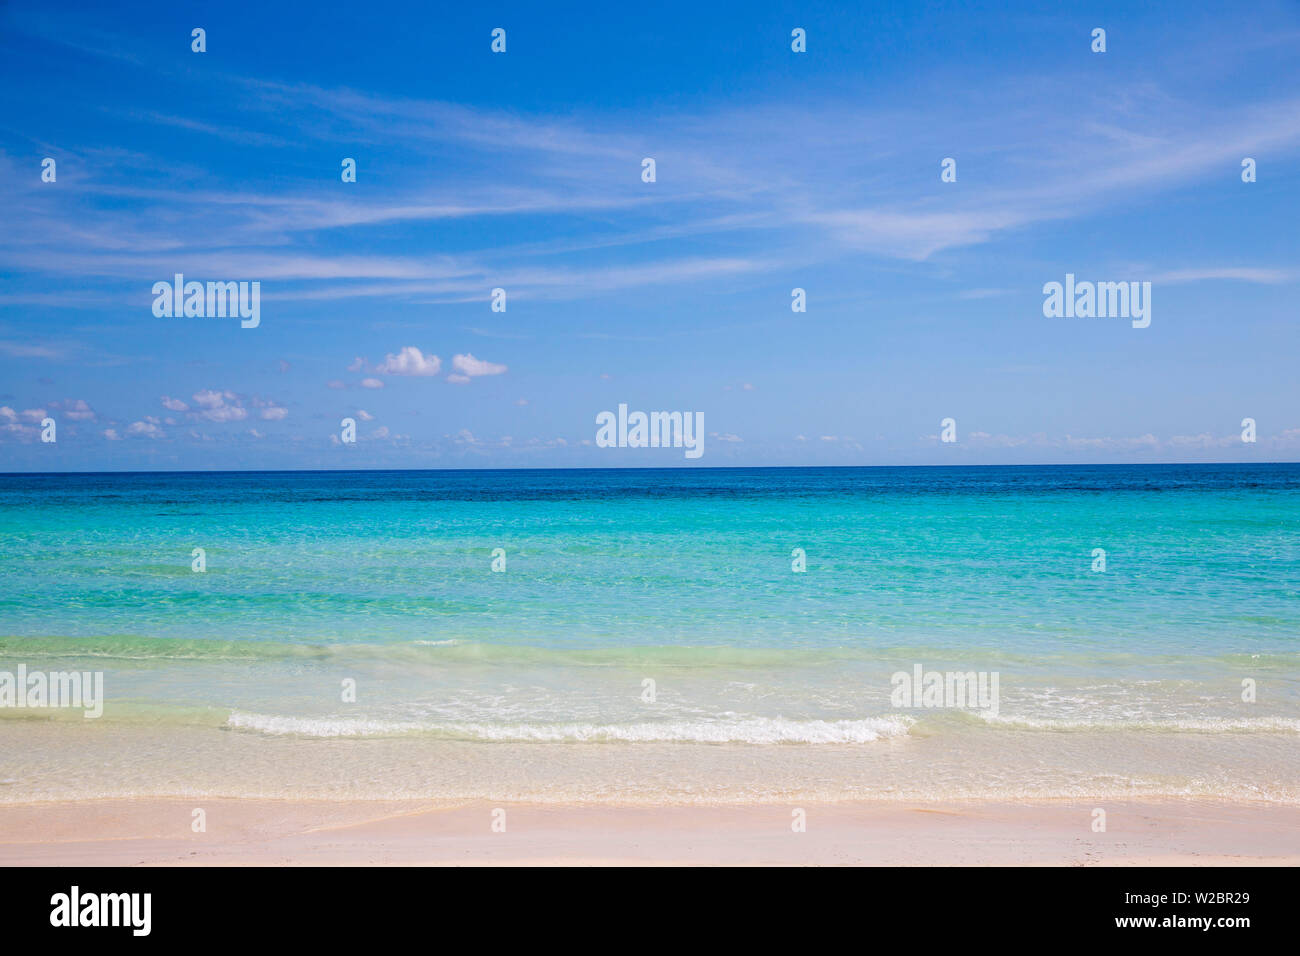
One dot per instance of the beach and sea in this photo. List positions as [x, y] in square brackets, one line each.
[655, 666]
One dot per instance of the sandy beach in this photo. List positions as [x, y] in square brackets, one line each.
[157, 832]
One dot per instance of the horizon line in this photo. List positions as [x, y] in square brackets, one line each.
[683, 468]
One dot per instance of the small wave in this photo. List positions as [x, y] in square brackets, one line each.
[1194, 725]
[751, 730]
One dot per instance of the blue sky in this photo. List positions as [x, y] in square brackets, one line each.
[522, 171]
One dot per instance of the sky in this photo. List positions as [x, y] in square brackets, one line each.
[523, 171]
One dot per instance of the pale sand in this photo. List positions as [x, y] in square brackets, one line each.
[274, 833]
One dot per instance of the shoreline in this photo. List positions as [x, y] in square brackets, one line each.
[265, 832]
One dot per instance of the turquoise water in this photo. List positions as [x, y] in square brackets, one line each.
[1127, 680]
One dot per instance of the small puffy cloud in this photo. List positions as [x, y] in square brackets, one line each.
[457, 379]
[470, 366]
[112, 435]
[211, 398]
[174, 404]
[381, 432]
[23, 433]
[274, 413]
[364, 415]
[219, 406]
[78, 410]
[372, 383]
[725, 436]
[34, 415]
[148, 429]
[410, 361]
[226, 413]
[357, 364]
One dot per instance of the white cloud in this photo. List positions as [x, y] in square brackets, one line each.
[226, 413]
[211, 398]
[274, 413]
[143, 430]
[372, 383]
[468, 365]
[364, 415]
[410, 361]
[24, 433]
[33, 415]
[174, 404]
[78, 410]
[219, 406]
[457, 379]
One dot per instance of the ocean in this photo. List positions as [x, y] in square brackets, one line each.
[646, 638]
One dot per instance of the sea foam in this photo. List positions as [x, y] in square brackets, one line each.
[743, 730]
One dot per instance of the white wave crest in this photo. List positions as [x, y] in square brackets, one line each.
[745, 730]
[1195, 725]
